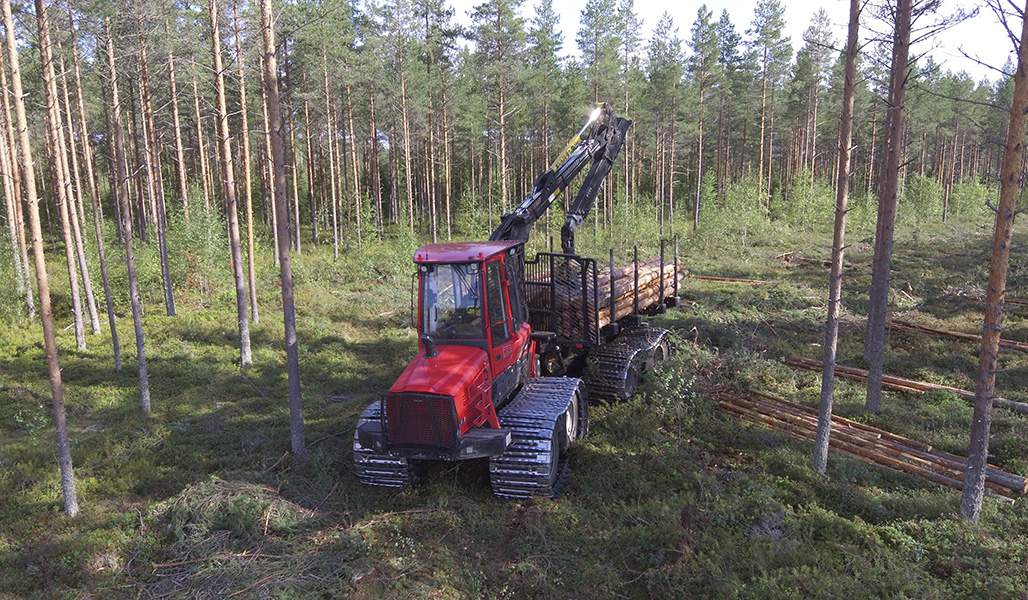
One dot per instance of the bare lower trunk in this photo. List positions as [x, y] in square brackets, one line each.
[121, 170]
[356, 167]
[245, 169]
[229, 190]
[278, 159]
[180, 153]
[15, 181]
[978, 453]
[330, 119]
[57, 155]
[824, 417]
[157, 179]
[201, 148]
[269, 165]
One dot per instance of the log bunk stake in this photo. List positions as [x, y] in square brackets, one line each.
[870, 444]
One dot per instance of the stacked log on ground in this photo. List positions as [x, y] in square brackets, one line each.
[901, 325]
[899, 383]
[868, 443]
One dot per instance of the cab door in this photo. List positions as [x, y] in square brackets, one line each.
[507, 345]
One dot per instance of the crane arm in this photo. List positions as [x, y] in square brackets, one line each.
[598, 142]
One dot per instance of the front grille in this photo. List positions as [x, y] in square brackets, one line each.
[421, 419]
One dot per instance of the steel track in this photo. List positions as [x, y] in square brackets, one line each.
[526, 468]
[619, 365]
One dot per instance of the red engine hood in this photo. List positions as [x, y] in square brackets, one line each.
[449, 374]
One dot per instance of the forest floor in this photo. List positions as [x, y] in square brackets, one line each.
[668, 498]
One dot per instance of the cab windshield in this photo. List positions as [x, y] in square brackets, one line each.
[452, 302]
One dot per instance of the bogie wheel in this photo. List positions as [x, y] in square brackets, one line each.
[659, 354]
[576, 418]
[633, 377]
[571, 420]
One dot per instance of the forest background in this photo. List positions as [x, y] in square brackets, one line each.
[401, 127]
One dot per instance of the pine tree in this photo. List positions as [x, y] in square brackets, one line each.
[703, 67]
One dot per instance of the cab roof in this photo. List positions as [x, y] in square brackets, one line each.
[462, 252]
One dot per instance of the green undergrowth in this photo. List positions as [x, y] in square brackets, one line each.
[668, 498]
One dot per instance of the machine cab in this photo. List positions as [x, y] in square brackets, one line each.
[472, 294]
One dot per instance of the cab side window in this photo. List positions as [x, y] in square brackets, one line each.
[514, 264]
[498, 323]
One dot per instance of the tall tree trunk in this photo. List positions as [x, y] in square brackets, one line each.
[71, 505]
[763, 120]
[157, 177]
[12, 195]
[887, 197]
[122, 183]
[356, 167]
[330, 134]
[180, 153]
[246, 166]
[406, 148]
[699, 161]
[376, 175]
[981, 424]
[824, 417]
[278, 158]
[57, 155]
[309, 153]
[447, 169]
[78, 211]
[229, 190]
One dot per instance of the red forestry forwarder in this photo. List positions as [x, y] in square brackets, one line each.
[475, 389]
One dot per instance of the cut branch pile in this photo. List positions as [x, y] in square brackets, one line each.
[867, 443]
[899, 383]
[901, 325]
[624, 288]
[1015, 301]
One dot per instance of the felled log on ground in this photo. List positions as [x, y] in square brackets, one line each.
[901, 325]
[899, 383]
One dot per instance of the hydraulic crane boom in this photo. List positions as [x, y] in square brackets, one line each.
[600, 146]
